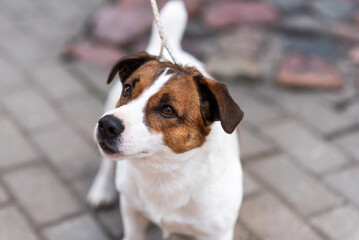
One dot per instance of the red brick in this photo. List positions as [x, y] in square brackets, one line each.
[223, 14]
[354, 54]
[95, 53]
[304, 71]
[120, 24]
[356, 17]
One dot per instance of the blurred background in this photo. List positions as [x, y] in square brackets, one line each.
[292, 66]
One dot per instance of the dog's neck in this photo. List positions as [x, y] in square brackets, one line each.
[165, 180]
[166, 184]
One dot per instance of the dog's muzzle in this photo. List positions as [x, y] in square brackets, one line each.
[109, 130]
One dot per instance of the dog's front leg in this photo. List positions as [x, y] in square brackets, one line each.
[134, 222]
[103, 191]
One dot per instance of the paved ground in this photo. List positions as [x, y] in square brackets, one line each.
[300, 153]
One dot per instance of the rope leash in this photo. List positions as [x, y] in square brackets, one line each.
[161, 33]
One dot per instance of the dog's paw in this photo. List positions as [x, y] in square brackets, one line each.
[102, 197]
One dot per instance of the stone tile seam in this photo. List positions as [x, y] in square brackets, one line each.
[39, 227]
[15, 203]
[62, 117]
[297, 161]
[90, 86]
[282, 198]
[320, 179]
[288, 205]
[351, 129]
[317, 178]
[246, 227]
[293, 116]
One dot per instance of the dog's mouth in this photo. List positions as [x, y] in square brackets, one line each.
[107, 148]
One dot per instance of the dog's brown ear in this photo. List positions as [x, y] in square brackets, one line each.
[217, 104]
[127, 65]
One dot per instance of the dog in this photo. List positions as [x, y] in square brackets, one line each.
[168, 139]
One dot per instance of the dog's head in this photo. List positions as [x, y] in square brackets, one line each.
[162, 108]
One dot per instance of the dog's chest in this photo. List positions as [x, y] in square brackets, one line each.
[171, 206]
[181, 215]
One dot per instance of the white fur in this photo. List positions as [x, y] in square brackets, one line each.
[198, 192]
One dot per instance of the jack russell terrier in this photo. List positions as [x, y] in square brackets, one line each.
[168, 143]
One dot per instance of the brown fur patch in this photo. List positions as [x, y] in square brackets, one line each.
[140, 80]
[186, 130]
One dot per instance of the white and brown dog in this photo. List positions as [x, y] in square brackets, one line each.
[171, 130]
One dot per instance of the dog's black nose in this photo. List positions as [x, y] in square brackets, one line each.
[110, 127]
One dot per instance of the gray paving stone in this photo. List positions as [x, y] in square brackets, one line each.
[25, 49]
[57, 81]
[241, 233]
[323, 118]
[178, 237]
[66, 10]
[3, 196]
[352, 112]
[112, 221]
[90, 3]
[96, 76]
[43, 28]
[2, 109]
[250, 185]
[347, 91]
[13, 226]
[68, 152]
[253, 145]
[84, 113]
[18, 13]
[153, 233]
[350, 143]
[10, 76]
[265, 215]
[301, 190]
[346, 182]
[82, 187]
[309, 106]
[73, 25]
[340, 223]
[44, 197]
[22, 4]
[79, 228]
[333, 10]
[309, 150]
[255, 111]
[11, 141]
[31, 109]
[5, 24]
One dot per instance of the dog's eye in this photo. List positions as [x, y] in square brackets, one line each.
[127, 90]
[167, 111]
